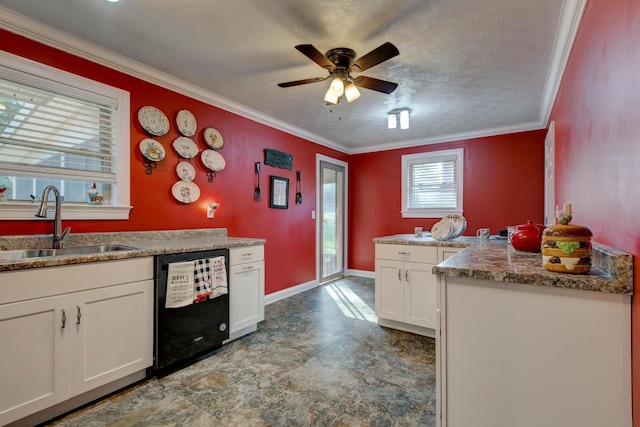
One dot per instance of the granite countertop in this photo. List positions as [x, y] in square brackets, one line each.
[145, 243]
[496, 260]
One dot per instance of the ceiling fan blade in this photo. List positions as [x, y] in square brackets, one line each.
[376, 56]
[302, 82]
[375, 84]
[315, 55]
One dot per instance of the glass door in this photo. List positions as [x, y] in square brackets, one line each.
[332, 221]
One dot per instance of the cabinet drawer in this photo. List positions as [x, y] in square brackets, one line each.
[426, 254]
[246, 254]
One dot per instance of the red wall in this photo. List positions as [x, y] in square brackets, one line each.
[288, 232]
[597, 117]
[503, 185]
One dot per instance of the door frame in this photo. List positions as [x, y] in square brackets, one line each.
[317, 216]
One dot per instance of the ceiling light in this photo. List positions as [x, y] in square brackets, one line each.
[351, 92]
[337, 86]
[330, 97]
[113, 1]
[392, 119]
[404, 119]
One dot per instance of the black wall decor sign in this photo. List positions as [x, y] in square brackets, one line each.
[278, 159]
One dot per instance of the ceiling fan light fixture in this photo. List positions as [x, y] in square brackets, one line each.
[330, 97]
[351, 92]
[337, 86]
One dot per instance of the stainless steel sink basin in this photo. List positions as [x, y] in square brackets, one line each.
[18, 255]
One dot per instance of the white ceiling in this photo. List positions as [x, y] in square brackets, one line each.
[466, 67]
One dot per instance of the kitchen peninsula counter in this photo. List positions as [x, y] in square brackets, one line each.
[144, 244]
[496, 260]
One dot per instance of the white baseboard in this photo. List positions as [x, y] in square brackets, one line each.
[361, 273]
[288, 292]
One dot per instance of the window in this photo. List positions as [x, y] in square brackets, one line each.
[60, 129]
[432, 184]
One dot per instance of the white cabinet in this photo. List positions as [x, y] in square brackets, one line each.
[445, 252]
[528, 356]
[246, 289]
[405, 288]
[67, 330]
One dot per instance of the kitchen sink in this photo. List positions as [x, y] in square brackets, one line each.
[18, 255]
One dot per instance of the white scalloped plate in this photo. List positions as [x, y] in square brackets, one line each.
[185, 147]
[442, 230]
[459, 224]
[185, 191]
[186, 171]
[213, 160]
[186, 123]
[153, 121]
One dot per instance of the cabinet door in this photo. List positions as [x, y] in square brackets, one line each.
[420, 295]
[389, 292]
[34, 355]
[246, 295]
[113, 333]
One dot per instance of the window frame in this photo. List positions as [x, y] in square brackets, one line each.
[428, 157]
[31, 72]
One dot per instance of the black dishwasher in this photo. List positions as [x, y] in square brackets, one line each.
[183, 334]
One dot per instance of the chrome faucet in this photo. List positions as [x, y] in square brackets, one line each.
[58, 235]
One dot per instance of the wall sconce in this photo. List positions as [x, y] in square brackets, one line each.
[402, 114]
[211, 209]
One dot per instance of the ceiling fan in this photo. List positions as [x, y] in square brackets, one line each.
[341, 62]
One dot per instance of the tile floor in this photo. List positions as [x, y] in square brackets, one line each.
[318, 359]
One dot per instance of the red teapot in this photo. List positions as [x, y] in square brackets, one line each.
[528, 237]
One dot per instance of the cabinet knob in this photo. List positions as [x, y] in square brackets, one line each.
[249, 254]
[78, 315]
[64, 318]
[406, 275]
[400, 274]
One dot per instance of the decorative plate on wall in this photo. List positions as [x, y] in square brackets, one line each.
[213, 160]
[186, 122]
[185, 147]
[153, 121]
[186, 171]
[213, 138]
[185, 191]
[152, 149]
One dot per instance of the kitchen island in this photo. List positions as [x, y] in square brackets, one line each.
[521, 346]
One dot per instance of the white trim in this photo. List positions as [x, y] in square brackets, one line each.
[569, 22]
[32, 72]
[289, 292]
[361, 273]
[549, 175]
[331, 160]
[26, 211]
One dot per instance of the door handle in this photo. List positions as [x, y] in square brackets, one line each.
[79, 315]
[400, 274]
[406, 275]
[64, 318]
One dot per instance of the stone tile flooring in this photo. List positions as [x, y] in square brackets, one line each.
[318, 359]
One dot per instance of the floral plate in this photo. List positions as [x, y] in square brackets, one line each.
[185, 191]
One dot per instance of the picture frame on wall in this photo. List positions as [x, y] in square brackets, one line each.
[279, 193]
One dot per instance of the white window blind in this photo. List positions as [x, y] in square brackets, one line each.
[58, 128]
[48, 134]
[432, 183]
